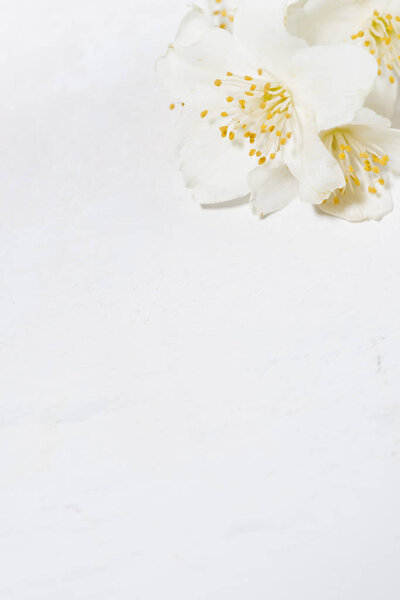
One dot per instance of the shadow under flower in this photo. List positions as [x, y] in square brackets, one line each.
[229, 204]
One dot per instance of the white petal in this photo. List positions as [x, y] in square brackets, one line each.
[215, 168]
[293, 5]
[366, 116]
[386, 139]
[333, 81]
[384, 95]
[194, 24]
[371, 128]
[271, 189]
[312, 164]
[260, 26]
[360, 206]
[392, 6]
[328, 21]
[189, 72]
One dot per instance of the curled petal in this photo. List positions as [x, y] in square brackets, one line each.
[271, 189]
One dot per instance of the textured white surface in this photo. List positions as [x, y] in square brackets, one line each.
[194, 404]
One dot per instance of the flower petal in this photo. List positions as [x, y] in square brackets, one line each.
[373, 128]
[215, 168]
[327, 21]
[366, 116]
[384, 95]
[271, 189]
[193, 25]
[188, 72]
[312, 164]
[359, 205]
[333, 81]
[386, 139]
[260, 26]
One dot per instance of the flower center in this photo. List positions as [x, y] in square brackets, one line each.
[361, 163]
[222, 16]
[257, 110]
[382, 37]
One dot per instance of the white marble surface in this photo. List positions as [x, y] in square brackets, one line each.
[194, 404]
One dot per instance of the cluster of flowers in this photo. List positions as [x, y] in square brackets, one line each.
[286, 98]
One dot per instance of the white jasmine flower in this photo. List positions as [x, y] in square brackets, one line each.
[366, 150]
[255, 100]
[373, 24]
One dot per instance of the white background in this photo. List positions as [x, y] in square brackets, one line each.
[194, 404]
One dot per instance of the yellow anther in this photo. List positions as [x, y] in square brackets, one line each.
[204, 113]
[262, 160]
[218, 82]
